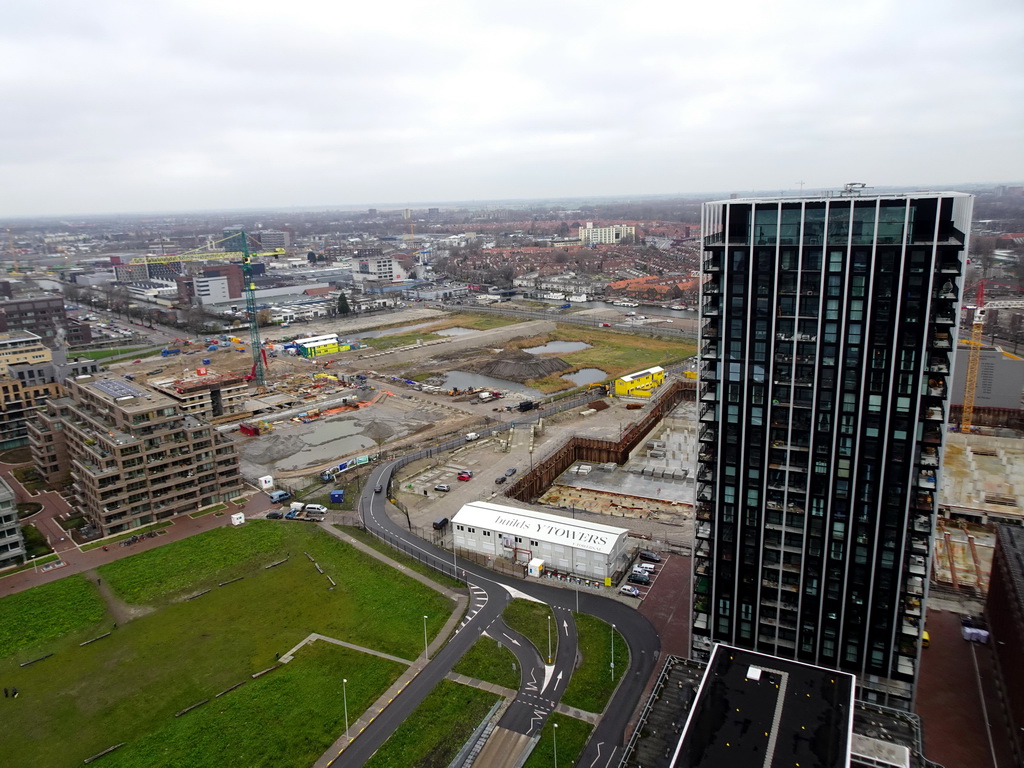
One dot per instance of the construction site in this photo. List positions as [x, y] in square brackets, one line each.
[298, 404]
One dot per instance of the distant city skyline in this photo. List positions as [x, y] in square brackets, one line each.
[231, 106]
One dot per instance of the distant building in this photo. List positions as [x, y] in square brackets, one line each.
[132, 457]
[233, 239]
[41, 315]
[12, 543]
[272, 238]
[617, 233]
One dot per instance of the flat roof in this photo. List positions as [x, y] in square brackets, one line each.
[127, 395]
[753, 710]
[540, 526]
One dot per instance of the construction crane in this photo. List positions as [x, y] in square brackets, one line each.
[974, 353]
[202, 254]
[259, 355]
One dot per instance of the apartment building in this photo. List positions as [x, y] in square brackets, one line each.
[12, 543]
[828, 329]
[132, 456]
[617, 233]
[43, 316]
[22, 353]
[207, 395]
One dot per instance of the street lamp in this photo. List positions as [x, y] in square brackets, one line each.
[555, 734]
[613, 652]
[549, 638]
[426, 648]
[344, 693]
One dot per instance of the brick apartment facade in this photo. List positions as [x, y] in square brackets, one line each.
[132, 457]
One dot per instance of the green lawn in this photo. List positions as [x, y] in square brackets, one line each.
[30, 621]
[486, 661]
[614, 353]
[286, 718]
[400, 557]
[433, 735]
[100, 354]
[128, 686]
[591, 685]
[572, 737]
[530, 619]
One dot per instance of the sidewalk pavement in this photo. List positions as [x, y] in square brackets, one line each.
[960, 712]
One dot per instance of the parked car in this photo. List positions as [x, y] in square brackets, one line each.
[606, 325]
[639, 578]
[274, 515]
[650, 557]
[467, 475]
[442, 487]
[500, 480]
[318, 509]
[441, 523]
[629, 589]
[510, 471]
[292, 513]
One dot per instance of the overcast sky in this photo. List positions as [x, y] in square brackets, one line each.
[170, 105]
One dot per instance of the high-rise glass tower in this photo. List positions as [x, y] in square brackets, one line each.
[828, 329]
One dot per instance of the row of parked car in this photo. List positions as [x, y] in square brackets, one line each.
[314, 513]
[466, 475]
[642, 574]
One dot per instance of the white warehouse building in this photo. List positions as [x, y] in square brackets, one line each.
[578, 547]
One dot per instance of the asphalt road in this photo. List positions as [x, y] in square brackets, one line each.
[532, 706]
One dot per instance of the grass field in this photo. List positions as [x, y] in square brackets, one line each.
[592, 684]
[100, 354]
[400, 557]
[572, 737]
[30, 621]
[486, 661]
[614, 353]
[128, 686]
[286, 718]
[433, 735]
[531, 620]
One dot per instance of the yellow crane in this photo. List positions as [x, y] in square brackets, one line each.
[974, 353]
[203, 255]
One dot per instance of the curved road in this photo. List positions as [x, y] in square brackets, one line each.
[536, 699]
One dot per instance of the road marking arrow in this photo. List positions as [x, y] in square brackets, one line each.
[511, 640]
[565, 626]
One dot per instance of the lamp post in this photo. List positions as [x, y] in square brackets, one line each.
[613, 652]
[555, 734]
[426, 648]
[549, 638]
[344, 693]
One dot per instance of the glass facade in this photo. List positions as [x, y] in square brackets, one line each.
[828, 330]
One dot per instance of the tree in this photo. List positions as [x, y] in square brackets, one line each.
[343, 308]
[263, 317]
[311, 257]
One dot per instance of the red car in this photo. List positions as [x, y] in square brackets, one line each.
[465, 475]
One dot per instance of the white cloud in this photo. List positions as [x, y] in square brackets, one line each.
[116, 105]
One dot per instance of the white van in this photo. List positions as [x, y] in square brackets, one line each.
[472, 436]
